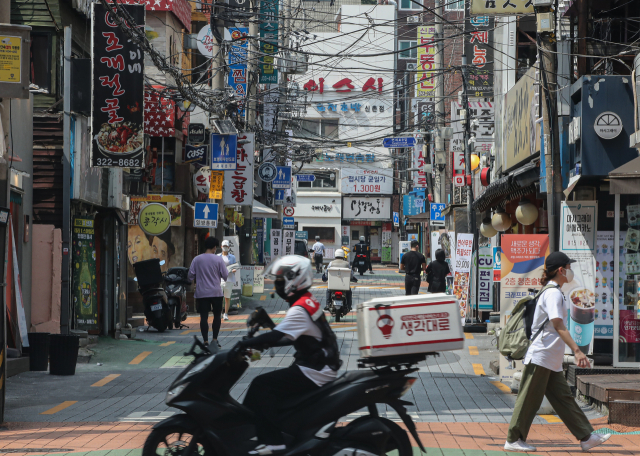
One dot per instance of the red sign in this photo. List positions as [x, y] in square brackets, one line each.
[344, 85]
[288, 211]
[629, 327]
[459, 180]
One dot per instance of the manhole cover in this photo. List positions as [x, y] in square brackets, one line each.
[35, 450]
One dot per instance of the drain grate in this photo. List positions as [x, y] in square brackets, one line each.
[602, 431]
[35, 450]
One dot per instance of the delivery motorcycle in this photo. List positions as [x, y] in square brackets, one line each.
[156, 306]
[338, 304]
[308, 422]
[176, 281]
[360, 263]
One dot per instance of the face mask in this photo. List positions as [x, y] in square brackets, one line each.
[225, 249]
[568, 274]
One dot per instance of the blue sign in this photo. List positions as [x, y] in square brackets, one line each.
[205, 215]
[238, 57]
[437, 218]
[412, 205]
[302, 235]
[305, 177]
[396, 218]
[401, 141]
[280, 196]
[287, 223]
[223, 151]
[196, 154]
[283, 177]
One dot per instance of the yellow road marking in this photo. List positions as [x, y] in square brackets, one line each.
[263, 298]
[478, 369]
[138, 359]
[468, 336]
[166, 344]
[473, 350]
[59, 407]
[501, 386]
[551, 418]
[106, 380]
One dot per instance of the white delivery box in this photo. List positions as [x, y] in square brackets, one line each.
[407, 325]
[339, 279]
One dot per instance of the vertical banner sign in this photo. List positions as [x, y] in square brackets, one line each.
[117, 129]
[386, 246]
[276, 244]
[604, 299]
[84, 290]
[483, 111]
[578, 240]
[497, 261]
[485, 278]
[522, 262]
[478, 48]
[464, 248]
[238, 184]
[216, 184]
[289, 236]
[236, 290]
[419, 177]
[238, 57]
[258, 279]
[426, 61]
[268, 41]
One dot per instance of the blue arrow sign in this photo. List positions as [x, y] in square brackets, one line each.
[305, 177]
[401, 141]
[435, 212]
[396, 218]
[205, 215]
[279, 196]
[283, 177]
[288, 223]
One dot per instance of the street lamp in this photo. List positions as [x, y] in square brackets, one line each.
[526, 213]
[501, 220]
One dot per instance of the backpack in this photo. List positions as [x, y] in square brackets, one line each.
[515, 337]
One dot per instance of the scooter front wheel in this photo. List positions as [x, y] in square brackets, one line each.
[174, 441]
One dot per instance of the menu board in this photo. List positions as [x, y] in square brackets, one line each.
[604, 286]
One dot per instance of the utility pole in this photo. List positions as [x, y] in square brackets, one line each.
[441, 192]
[547, 68]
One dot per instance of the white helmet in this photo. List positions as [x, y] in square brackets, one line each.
[362, 238]
[296, 272]
[340, 253]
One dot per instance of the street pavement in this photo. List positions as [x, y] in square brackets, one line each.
[107, 408]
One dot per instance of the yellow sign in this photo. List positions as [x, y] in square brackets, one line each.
[426, 61]
[215, 189]
[154, 219]
[172, 202]
[10, 58]
[500, 7]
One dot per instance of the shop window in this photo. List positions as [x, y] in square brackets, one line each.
[454, 5]
[408, 50]
[317, 128]
[355, 235]
[327, 234]
[324, 179]
[40, 70]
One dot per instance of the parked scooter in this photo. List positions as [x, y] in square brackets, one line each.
[154, 298]
[176, 281]
[308, 422]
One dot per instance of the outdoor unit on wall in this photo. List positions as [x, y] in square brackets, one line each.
[413, 19]
[412, 66]
[584, 194]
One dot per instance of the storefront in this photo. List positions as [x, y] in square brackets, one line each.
[366, 215]
[319, 214]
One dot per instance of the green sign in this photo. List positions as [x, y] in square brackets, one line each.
[84, 289]
[154, 219]
[302, 235]
[268, 18]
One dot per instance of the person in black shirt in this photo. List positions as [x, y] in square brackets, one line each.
[437, 271]
[413, 263]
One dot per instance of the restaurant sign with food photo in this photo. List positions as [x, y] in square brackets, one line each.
[117, 92]
[173, 203]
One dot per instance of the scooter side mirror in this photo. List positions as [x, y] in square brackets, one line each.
[162, 263]
[135, 279]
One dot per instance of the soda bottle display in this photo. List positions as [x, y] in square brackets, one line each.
[86, 289]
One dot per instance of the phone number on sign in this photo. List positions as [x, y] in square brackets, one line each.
[124, 162]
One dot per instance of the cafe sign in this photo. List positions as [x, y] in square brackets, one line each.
[608, 125]
[154, 219]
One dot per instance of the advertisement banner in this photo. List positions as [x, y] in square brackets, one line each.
[419, 177]
[629, 327]
[238, 184]
[464, 246]
[403, 247]
[578, 240]
[426, 61]
[258, 279]
[366, 181]
[234, 249]
[412, 205]
[497, 261]
[522, 263]
[216, 179]
[445, 241]
[238, 56]
[247, 275]
[117, 129]
[604, 286]
[363, 208]
[288, 241]
[268, 18]
[386, 247]
[483, 112]
[172, 202]
[276, 244]
[484, 263]
[478, 48]
[84, 288]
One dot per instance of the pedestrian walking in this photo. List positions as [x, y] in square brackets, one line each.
[208, 270]
[413, 263]
[542, 374]
[227, 285]
[437, 273]
[318, 252]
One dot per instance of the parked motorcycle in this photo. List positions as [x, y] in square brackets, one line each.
[154, 298]
[176, 281]
[308, 422]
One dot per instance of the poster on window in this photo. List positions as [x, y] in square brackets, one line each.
[386, 247]
[366, 208]
[84, 289]
[238, 183]
[604, 285]
[117, 128]
[276, 244]
[464, 249]
[366, 181]
[522, 263]
[444, 240]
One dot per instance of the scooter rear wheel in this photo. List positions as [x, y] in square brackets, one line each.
[398, 444]
[173, 441]
[338, 316]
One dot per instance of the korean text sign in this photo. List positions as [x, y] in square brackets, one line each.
[118, 92]
[238, 184]
[485, 278]
[477, 46]
[426, 61]
[84, 289]
[268, 41]
[238, 54]
[464, 249]
[361, 207]
[366, 181]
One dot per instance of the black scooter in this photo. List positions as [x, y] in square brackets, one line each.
[360, 263]
[156, 307]
[176, 281]
[214, 424]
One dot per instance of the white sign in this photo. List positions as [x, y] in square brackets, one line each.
[478, 110]
[608, 125]
[276, 244]
[206, 41]
[202, 180]
[419, 177]
[367, 181]
[578, 226]
[290, 200]
[458, 180]
[458, 161]
[288, 241]
[363, 208]
[258, 279]
[238, 183]
[464, 248]
[246, 277]
[234, 246]
[403, 247]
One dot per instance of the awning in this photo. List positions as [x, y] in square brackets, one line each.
[516, 184]
[625, 180]
[425, 217]
[260, 210]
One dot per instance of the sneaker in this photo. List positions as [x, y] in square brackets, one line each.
[370, 272]
[225, 317]
[269, 449]
[594, 440]
[519, 446]
[206, 344]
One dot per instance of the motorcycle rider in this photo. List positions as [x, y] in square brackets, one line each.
[318, 252]
[340, 262]
[317, 356]
[362, 248]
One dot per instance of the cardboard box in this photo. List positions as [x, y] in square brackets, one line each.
[339, 278]
[409, 325]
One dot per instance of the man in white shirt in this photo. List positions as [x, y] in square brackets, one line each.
[318, 253]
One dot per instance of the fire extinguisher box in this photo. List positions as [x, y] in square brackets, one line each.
[409, 325]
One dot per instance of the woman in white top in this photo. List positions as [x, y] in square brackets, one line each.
[542, 374]
[227, 285]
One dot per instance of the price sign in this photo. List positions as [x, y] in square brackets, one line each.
[217, 180]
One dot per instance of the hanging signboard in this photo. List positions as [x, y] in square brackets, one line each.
[426, 61]
[154, 219]
[276, 244]
[217, 183]
[482, 111]
[497, 264]
[464, 250]
[202, 180]
[419, 160]
[363, 208]
[238, 55]
[478, 47]
[196, 154]
[172, 202]
[366, 181]
[484, 263]
[84, 288]
[196, 133]
[238, 184]
[268, 18]
[497, 7]
[223, 151]
[118, 92]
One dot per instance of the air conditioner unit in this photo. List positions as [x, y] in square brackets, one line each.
[414, 19]
[412, 66]
[584, 194]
